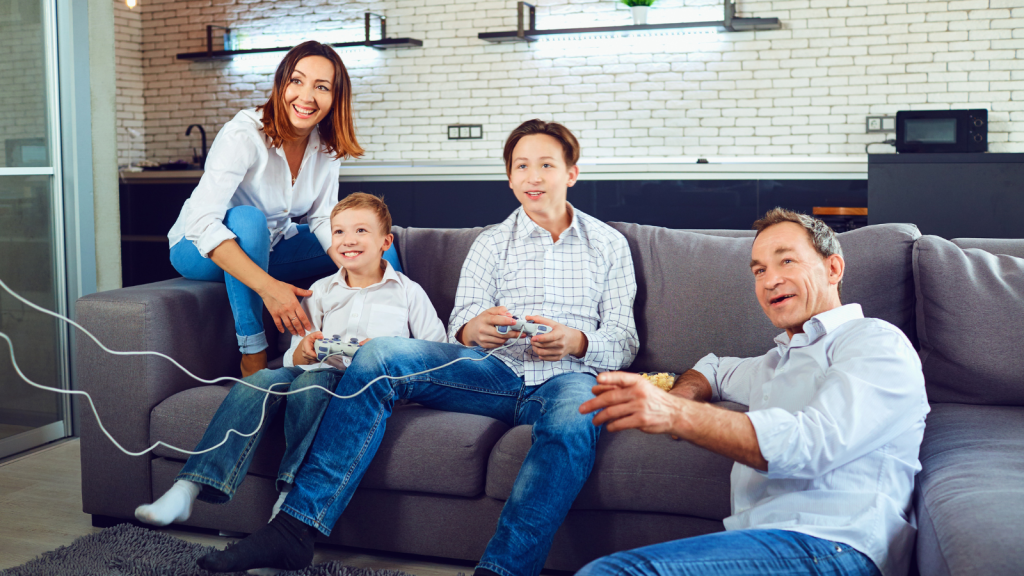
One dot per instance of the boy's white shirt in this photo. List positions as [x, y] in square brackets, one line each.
[395, 306]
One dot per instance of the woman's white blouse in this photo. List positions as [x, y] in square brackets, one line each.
[242, 169]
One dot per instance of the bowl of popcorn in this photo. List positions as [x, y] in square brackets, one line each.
[663, 380]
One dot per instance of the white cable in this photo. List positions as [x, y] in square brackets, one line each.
[227, 434]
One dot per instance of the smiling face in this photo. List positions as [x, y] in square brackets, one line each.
[539, 175]
[309, 93]
[357, 241]
[792, 280]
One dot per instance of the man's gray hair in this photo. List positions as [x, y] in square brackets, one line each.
[823, 238]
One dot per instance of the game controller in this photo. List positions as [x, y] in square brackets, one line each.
[334, 346]
[526, 327]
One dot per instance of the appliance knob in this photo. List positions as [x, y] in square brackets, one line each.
[978, 122]
[978, 138]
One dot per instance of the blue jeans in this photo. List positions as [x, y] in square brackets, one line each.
[564, 441]
[742, 552]
[298, 257]
[220, 471]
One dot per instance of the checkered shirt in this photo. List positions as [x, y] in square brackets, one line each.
[584, 281]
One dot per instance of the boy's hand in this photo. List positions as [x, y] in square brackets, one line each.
[481, 331]
[559, 343]
[306, 351]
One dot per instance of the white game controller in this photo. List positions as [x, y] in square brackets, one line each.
[334, 346]
[525, 327]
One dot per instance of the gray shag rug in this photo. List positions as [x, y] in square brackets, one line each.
[127, 550]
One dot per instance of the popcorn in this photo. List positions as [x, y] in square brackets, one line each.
[663, 380]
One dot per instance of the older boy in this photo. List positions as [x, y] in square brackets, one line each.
[548, 263]
[366, 298]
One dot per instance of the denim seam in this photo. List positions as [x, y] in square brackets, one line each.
[494, 568]
[355, 462]
[210, 482]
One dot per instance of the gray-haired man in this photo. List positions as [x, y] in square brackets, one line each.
[826, 456]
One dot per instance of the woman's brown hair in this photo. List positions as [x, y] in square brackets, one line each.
[337, 133]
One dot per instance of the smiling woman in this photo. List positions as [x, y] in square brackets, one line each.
[267, 169]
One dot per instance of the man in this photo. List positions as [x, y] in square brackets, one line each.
[547, 263]
[826, 456]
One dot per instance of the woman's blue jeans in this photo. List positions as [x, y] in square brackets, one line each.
[742, 552]
[300, 256]
[220, 471]
[562, 456]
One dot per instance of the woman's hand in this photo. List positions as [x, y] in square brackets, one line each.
[281, 300]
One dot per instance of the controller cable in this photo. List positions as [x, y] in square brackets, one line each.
[227, 434]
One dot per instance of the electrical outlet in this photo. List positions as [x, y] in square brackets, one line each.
[465, 132]
[880, 124]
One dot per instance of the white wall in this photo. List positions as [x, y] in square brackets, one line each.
[802, 90]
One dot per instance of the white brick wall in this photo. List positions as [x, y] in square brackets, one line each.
[129, 99]
[802, 90]
[22, 84]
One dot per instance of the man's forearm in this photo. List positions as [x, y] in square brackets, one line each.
[692, 385]
[722, 431]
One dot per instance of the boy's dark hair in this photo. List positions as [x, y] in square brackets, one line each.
[368, 202]
[570, 147]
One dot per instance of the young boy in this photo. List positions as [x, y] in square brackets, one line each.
[365, 299]
[548, 263]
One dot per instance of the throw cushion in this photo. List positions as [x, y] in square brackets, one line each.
[970, 310]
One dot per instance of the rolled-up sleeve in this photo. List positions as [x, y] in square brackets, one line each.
[730, 378]
[319, 215]
[230, 157]
[615, 343]
[477, 289]
[872, 392]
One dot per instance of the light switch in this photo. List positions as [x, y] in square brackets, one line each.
[453, 132]
[465, 131]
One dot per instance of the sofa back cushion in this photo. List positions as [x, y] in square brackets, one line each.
[432, 257]
[970, 314]
[695, 292]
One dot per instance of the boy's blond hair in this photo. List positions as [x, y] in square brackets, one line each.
[368, 202]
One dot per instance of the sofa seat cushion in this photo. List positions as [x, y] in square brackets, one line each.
[423, 450]
[970, 492]
[970, 310]
[633, 472]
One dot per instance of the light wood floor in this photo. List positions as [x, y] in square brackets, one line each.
[41, 509]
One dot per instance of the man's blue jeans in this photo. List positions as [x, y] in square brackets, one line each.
[220, 471]
[564, 441]
[298, 257]
[742, 552]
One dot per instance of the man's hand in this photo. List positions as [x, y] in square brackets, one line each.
[305, 354]
[630, 401]
[559, 343]
[481, 331]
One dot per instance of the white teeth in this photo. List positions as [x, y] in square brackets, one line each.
[351, 254]
[305, 111]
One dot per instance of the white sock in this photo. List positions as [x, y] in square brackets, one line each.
[174, 506]
[280, 500]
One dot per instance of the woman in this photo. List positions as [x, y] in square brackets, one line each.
[265, 171]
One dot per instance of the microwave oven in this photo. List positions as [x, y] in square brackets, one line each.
[942, 131]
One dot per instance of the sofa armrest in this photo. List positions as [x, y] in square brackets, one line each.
[187, 320]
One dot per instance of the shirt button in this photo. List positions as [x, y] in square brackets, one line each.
[765, 397]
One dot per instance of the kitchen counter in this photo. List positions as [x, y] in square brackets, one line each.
[783, 168]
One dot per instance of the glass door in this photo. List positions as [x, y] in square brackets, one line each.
[31, 225]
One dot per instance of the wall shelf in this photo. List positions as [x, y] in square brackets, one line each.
[527, 25]
[380, 44]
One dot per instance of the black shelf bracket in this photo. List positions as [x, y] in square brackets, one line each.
[529, 33]
[383, 43]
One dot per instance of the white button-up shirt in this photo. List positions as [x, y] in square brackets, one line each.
[242, 169]
[839, 414]
[584, 281]
[395, 306]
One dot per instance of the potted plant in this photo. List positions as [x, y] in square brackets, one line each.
[639, 8]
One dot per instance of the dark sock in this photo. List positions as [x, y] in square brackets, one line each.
[484, 572]
[286, 543]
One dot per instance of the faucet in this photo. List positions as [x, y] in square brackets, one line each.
[201, 160]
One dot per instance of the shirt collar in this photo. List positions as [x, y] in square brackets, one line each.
[528, 227]
[340, 277]
[821, 324]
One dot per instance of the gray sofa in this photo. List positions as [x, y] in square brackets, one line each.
[438, 483]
